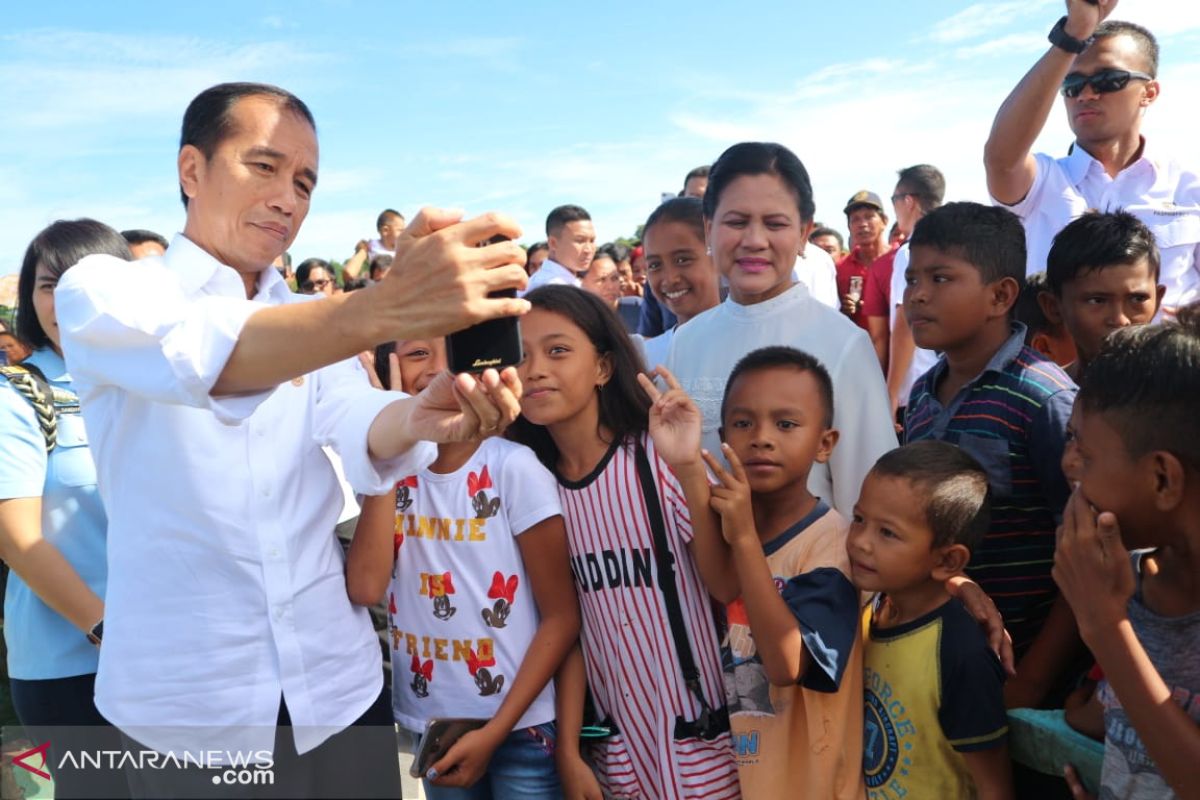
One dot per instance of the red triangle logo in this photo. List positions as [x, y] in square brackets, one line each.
[19, 760]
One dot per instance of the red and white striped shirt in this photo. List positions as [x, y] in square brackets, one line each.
[632, 665]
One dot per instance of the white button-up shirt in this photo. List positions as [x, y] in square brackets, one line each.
[551, 273]
[1163, 195]
[226, 584]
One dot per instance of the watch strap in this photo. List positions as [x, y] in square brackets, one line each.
[1065, 41]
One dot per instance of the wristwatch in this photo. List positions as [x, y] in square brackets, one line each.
[1065, 41]
[96, 633]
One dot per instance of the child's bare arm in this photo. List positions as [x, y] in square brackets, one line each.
[369, 562]
[1092, 568]
[544, 553]
[991, 770]
[675, 427]
[776, 631]
[570, 684]
[1051, 652]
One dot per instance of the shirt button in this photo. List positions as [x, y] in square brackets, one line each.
[266, 492]
[279, 612]
[273, 552]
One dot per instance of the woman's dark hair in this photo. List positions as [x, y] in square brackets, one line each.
[624, 405]
[760, 158]
[59, 247]
[308, 265]
[208, 120]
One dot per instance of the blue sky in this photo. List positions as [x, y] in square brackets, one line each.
[520, 107]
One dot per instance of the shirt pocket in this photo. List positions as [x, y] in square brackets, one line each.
[1179, 230]
[70, 462]
[992, 455]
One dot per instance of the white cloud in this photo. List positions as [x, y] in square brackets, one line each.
[1015, 43]
[983, 18]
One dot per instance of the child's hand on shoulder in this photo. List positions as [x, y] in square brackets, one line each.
[675, 421]
[731, 497]
[1092, 567]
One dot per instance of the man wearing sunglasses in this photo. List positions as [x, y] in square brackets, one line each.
[1106, 72]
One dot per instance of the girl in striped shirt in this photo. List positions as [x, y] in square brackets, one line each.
[589, 420]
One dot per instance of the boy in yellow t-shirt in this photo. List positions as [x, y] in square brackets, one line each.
[934, 718]
[793, 665]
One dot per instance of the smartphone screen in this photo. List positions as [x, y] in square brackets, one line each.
[494, 344]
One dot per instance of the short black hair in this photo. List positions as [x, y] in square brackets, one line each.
[562, 215]
[760, 158]
[1145, 382]
[614, 250]
[825, 230]
[141, 236]
[380, 262]
[698, 172]
[924, 182]
[953, 488]
[1028, 311]
[1146, 43]
[58, 247]
[989, 238]
[778, 356]
[533, 248]
[308, 265]
[1097, 240]
[383, 217]
[688, 210]
[208, 120]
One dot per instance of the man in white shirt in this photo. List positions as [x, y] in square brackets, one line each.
[208, 392]
[1107, 73]
[571, 239]
[919, 190]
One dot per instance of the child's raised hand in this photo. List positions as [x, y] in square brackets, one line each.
[675, 421]
[1092, 567]
[731, 496]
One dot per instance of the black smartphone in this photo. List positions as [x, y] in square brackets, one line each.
[494, 344]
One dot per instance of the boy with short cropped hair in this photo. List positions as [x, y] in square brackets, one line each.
[793, 670]
[934, 717]
[1005, 405]
[1102, 272]
[1135, 459]
[1048, 337]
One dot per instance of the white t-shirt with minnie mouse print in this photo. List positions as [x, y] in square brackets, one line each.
[461, 614]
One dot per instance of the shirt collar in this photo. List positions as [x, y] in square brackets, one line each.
[199, 270]
[1079, 161]
[1007, 354]
[550, 262]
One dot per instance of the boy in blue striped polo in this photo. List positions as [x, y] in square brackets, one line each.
[1004, 404]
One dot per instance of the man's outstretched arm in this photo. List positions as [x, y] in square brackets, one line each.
[1007, 156]
[439, 283]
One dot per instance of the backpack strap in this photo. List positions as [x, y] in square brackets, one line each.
[711, 722]
[30, 383]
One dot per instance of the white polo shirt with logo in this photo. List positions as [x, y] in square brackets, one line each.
[1159, 192]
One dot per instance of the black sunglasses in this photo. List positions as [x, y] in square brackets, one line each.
[1103, 82]
[321, 283]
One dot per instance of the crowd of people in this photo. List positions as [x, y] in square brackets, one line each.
[759, 513]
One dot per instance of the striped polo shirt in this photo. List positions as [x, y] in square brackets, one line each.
[632, 666]
[1012, 418]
